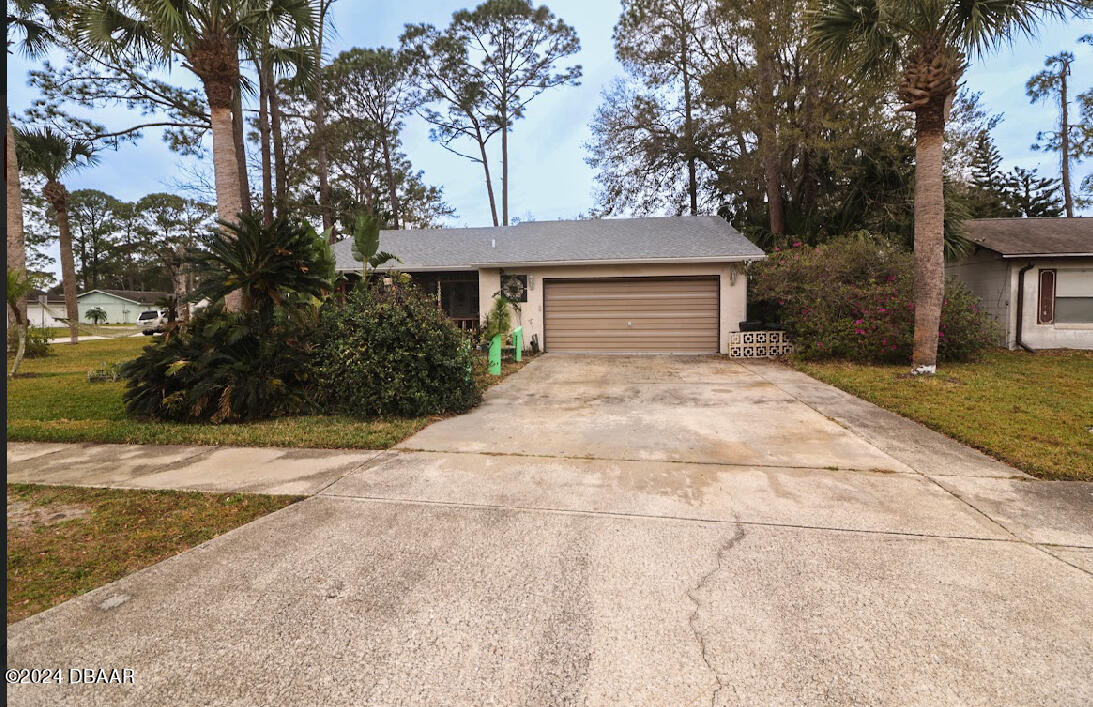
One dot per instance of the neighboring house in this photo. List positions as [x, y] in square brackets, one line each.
[594, 285]
[121, 306]
[48, 314]
[1036, 276]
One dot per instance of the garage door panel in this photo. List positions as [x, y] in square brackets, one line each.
[703, 324]
[703, 304]
[634, 314]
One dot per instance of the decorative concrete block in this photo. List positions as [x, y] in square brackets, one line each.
[759, 344]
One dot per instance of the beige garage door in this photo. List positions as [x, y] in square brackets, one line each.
[670, 314]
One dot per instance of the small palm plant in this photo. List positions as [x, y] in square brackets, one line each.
[366, 244]
[96, 315]
[269, 265]
[498, 319]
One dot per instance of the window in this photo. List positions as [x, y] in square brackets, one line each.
[1073, 291]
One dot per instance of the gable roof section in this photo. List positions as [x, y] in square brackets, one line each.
[635, 240]
[1030, 237]
[134, 296]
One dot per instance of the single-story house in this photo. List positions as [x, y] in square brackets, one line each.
[43, 308]
[1035, 275]
[121, 306]
[592, 285]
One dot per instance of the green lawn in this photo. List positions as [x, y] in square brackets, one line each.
[1033, 411]
[54, 402]
[65, 541]
[92, 330]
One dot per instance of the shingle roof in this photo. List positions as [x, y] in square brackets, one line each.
[1016, 237]
[138, 296]
[658, 239]
[51, 298]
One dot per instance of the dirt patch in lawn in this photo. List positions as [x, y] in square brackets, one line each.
[23, 516]
[64, 541]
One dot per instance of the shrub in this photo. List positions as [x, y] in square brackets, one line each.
[223, 367]
[232, 366]
[392, 351]
[853, 298]
[37, 341]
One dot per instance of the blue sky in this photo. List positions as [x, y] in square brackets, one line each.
[549, 178]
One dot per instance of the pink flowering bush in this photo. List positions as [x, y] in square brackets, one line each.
[853, 298]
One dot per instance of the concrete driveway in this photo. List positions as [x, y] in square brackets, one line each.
[638, 530]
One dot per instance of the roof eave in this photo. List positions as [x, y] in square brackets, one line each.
[1047, 255]
[624, 261]
[413, 268]
[108, 294]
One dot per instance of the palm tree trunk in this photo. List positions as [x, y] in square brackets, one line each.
[323, 165]
[21, 347]
[58, 198]
[279, 167]
[264, 135]
[229, 200]
[17, 253]
[391, 189]
[929, 234]
[240, 147]
[178, 278]
[322, 161]
[225, 165]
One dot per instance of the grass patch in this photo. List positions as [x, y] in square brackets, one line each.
[1030, 410]
[64, 541]
[51, 401]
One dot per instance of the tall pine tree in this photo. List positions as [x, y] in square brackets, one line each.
[987, 192]
[1028, 194]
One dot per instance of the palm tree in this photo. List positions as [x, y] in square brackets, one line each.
[31, 20]
[207, 35]
[923, 45]
[269, 265]
[15, 291]
[51, 155]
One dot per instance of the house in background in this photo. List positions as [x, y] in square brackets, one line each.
[1036, 276]
[672, 285]
[121, 306]
[47, 312]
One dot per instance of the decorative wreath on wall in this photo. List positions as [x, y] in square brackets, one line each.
[514, 288]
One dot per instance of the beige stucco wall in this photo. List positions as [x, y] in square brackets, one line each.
[1046, 336]
[733, 290]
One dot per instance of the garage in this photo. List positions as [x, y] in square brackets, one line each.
[631, 315]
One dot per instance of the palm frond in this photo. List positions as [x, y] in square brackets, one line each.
[979, 26]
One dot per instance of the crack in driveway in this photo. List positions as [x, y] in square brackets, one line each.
[737, 536]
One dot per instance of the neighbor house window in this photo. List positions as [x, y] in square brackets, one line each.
[1073, 290]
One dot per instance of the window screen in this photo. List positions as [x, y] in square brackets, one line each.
[1074, 296]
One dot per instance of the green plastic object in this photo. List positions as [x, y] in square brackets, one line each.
[495, 356]
[518, 344]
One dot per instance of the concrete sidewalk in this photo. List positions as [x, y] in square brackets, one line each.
[275, 470]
